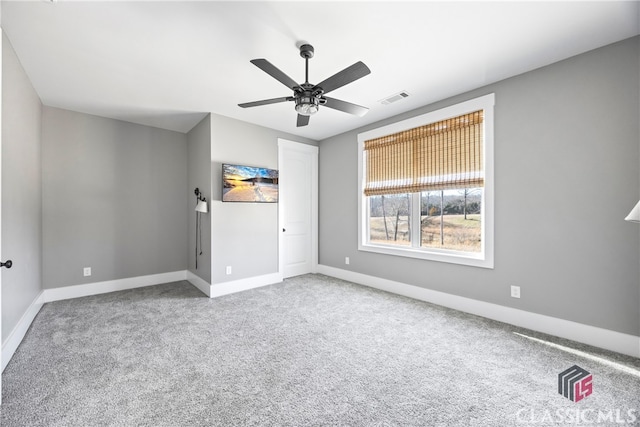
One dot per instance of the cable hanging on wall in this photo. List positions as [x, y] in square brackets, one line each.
[201, 207]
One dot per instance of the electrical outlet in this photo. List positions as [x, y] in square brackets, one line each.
[228, 269]
[515, 291]
[346, 260]
[86, 271]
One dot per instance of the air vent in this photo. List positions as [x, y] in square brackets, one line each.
[395, 97]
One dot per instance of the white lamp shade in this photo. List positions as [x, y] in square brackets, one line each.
[634, 215]
[202, 206]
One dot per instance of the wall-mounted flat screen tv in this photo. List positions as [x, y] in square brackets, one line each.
[249, 184]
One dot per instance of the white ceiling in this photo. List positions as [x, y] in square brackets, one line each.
[166, 64]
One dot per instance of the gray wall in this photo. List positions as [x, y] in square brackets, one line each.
[21, 190]
[245, 235]
[114, 199]
[566, 175]
[199, 166]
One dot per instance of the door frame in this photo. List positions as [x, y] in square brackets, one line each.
[283, 145]
[1, 79]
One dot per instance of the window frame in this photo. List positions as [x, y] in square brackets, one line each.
[483, 259]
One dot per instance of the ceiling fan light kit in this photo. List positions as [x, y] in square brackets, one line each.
[307, 104]
[308, 97]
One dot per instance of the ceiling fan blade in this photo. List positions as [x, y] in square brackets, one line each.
[266, 102]
[302, 120]
[347, 107]
[274, 72]
[346, 76]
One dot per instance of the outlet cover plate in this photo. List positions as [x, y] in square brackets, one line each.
[515, 291]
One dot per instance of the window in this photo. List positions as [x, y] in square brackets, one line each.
[426, 186]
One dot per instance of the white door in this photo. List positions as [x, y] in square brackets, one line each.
[298, 208]
[0, 202]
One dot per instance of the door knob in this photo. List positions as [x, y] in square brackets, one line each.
[7, 264]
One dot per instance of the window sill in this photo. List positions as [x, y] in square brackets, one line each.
[452, 257]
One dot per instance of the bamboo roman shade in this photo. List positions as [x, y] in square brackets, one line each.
[441, 155]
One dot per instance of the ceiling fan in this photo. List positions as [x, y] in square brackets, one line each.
[308, 97]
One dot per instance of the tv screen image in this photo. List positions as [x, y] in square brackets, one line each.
[249, 184]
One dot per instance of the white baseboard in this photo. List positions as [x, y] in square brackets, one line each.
[77, 291]
[591, 335]
[10, 345]
[226, 288]
[199, 283]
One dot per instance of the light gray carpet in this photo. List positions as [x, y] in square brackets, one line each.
[312, 351]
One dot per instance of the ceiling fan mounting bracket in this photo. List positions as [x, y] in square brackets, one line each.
[306, 51]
